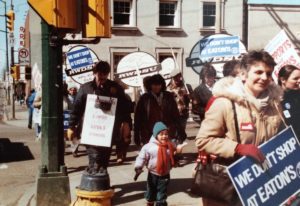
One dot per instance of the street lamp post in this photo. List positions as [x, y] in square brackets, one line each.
[7, 64]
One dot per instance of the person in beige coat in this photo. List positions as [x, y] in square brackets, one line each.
[257, 102]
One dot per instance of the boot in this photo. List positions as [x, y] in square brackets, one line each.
[150, 203]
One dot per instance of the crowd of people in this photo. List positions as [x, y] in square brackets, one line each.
[247, 93]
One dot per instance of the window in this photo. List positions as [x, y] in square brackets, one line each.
[209, 14]
[164, 53]
[167, 13]
[116, 54]
[163, 56]
[122, 12]
[116, 59]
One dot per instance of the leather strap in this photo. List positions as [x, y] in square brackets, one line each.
[238, 137]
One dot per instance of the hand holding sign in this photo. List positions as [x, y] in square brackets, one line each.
[250, 150]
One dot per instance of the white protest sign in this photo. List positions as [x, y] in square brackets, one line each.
[135, 66]
[98, 124]
[283, 51]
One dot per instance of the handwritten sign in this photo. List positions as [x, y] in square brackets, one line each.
[277, 179]
[98, 124]
[283, 51]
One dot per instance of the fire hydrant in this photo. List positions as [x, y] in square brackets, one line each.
[94, 189]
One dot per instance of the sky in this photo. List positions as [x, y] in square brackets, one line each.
[20, 8]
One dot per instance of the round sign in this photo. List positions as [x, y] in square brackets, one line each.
[135, 66]
[23, 53]
[79, 64]
[215, 49]
[167, 66]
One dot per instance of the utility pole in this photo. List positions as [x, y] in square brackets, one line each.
[7, 60]
[12, 63]
[53, 181]
[218, 23]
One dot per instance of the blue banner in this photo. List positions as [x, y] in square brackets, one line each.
[80, 58]
[275, 2]
[277, 179]
[219, 47]
[66, 119]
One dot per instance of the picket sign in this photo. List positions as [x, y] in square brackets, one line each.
[98, 124]
[277, 179]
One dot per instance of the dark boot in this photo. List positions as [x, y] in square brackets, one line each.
[150, 203]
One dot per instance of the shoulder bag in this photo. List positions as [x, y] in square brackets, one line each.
[212, 181]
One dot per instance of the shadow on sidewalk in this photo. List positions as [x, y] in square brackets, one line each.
[121, 196]
[13, 151]
[76, 169]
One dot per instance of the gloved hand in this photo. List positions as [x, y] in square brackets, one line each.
[250, 150]
[71, 133]
[138, 171]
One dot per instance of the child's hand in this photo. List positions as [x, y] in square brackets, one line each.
[180, 147]
[138, 171]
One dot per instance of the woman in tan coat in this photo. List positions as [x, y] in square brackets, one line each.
[257, 102]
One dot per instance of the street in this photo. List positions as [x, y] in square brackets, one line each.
[20, 159]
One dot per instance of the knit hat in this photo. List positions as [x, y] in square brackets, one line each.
[158, 127]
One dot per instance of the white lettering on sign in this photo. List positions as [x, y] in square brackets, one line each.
[244, 179]
[277, 183]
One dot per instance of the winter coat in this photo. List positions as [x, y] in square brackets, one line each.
[148, 156]
[291, 109]
[148, 112]
[181, 97]
[109, 89]
[201, 96]
[217, 134]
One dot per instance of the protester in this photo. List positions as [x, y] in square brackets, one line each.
[70, 92]
[101, 85]
[258, 114]
[29, 103]
[158, 157]
[156, 105]
[178, 89]
[202, 93]
[69, 96]
[231, 68]
[125, 131]
[289, 80]
[37, 114]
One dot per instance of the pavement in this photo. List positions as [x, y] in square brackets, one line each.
[127, 191]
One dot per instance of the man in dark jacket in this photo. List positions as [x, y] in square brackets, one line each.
[157, 105]
[203, 93]
[101, 85]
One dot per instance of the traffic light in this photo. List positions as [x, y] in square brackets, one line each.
[28, 73]
[10, 20]
[96, 18]
[60, 14]
[15, 72]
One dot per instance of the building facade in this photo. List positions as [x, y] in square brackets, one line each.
[164, 28]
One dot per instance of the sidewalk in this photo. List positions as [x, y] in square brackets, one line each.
[130, 193]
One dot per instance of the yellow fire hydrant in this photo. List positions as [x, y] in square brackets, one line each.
[93, 198]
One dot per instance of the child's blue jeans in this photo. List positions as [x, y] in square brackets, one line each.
[157, 189]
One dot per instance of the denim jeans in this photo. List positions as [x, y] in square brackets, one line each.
[157, 189]
[30, 113]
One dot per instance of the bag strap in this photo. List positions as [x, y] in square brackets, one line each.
[238, 137]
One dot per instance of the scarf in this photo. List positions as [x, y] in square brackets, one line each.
[163, 160]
